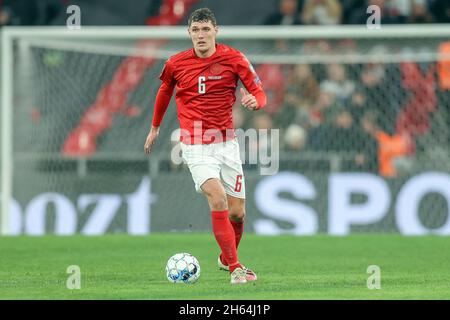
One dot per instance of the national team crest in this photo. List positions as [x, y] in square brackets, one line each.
[216, 68]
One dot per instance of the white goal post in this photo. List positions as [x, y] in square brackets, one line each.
[61, 36]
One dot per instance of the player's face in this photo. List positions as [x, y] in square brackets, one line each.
[203, 36]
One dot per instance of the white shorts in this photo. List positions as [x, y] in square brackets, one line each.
[216, 160]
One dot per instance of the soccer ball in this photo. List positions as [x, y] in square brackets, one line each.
[183, 267]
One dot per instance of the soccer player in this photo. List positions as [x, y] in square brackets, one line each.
[205, 78]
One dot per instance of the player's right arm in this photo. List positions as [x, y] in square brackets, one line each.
[162, 101]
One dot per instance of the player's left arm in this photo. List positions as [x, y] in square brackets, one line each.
[255, 98]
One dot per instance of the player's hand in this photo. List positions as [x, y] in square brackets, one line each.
[151, 137]
[248, 100]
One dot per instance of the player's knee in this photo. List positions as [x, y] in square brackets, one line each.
[237, 214]
[218, 202]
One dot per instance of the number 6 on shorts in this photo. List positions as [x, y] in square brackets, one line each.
[238, 186]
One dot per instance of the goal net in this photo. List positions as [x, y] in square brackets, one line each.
[77, 106]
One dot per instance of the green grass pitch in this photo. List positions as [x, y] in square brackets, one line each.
[288, 267]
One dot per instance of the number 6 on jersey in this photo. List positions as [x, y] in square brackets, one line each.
[201, 84]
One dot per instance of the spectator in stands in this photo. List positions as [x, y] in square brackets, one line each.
[410, 11]
[360, 15]
[343, 131]
[383, 93]
[365, 147]
[414, 117]
[295, 137]
[301, 94]
[346, 46]
[324, 104]
[396, 152]
[154, 8]
[393, 151]
[317, 47]
[343, 135]
[324, 12]
[302, 88]
[273, 77]
[329, 136]
[287, 14]
[262, 121]
[323, 137]
[50, 10]
[348, 6]
[358, 104]
[4, 17]
[373, 74]
[338, 83]
[369, 143]
[440, 9]
[420, 13]
[18, 13]
[400, 8]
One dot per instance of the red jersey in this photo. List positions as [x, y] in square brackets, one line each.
[205, 89]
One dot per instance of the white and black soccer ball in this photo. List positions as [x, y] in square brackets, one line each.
[183, 268]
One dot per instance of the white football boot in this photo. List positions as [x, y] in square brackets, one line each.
[249, 274]
[238, 276]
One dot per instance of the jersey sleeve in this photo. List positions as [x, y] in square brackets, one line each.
[248, 75]
[166, 75]
[161, 103]
[250, 79]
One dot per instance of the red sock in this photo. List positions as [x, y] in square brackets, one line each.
[238, 227]
[224, 234]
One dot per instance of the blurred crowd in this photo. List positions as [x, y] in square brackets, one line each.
[98, 12]
[332, 12]
[374, 114]
[289, 12]
[29, 13]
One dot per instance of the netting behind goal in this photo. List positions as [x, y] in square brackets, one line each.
[82, 109]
